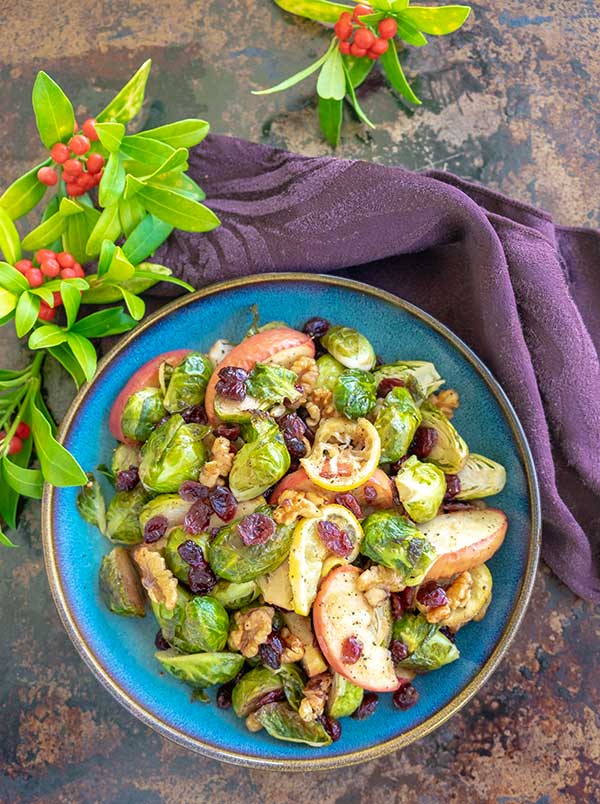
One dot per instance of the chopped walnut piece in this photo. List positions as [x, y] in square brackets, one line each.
[315, 697]
[157, 579]
[294, 647]
[220, 465]
[447, 401]
[319, 406]
[458, 594]
[307, 372]
[294, 505]
[251, 630]
[437, 614]
[377, 582]
[253, 723]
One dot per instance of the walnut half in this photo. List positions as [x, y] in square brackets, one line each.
[315, 697]
[377, 582]
[251, 630]
[293, 505]
[220, 465]
[157, 579]
[447, 401]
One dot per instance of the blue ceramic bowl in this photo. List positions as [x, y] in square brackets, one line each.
[121, 651]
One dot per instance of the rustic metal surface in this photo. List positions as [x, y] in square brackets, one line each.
[512, 101]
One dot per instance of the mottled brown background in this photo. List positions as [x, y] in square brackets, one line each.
[511, 101]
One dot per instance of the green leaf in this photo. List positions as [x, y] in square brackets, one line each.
[132, 213]
[63, 355]
[393, 69]
[175, 163]
[298, 77]
[147, 270]
[4, 540]
[319, 10]
[71, 299]
[44, 293]
[84, 352]
[46, 233]
[28, 482]
[112, 183]
[151, 153]
[436, 21]
[330, 118]
[182, 134]
[372, 19]
[113, 321]
[75, 236]
[108, 227]
[24, 193]
[146, 238]
[358, 69]
[135, 305]
[59, 467]
[26, 313]
[331, 83]
[110, 135]
[11, 279]
[10, 243]
[172, 208]
[53, 111]
[354, 100]
[128, 102]
[410, 33]
[120, 269]
[107, 250]
[68, 207]
[8, 302]
[182, 184]
[48, 335]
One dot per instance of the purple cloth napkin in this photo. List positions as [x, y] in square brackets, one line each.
[521, 291]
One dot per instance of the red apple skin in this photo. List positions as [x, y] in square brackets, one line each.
[144, 377]
[299, 481]
[259, 348]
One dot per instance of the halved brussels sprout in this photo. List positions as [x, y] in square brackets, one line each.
[395, 542]
[284, 723]
[480, 477]
[478, 602]
[420, 376]
[120, 585]
[450, 452]
[428, 648]
[142, 412]
[421, 488]
[251, 689]
[383, 621]
[176, 537]
[170, 621]
[123, 515]
[350, 347]
[354, 394]
[293, 684]
[261, 462]
[270, 385]
[171, 506]
[235, 595]
[397, 422]
[344, 697]
[195, 624]
[187, 383]
[201, 669]
[231, 559]
[90, 503]
[124, 457]
[329, 371]
[173, 454]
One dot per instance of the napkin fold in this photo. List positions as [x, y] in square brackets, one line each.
[523, 292]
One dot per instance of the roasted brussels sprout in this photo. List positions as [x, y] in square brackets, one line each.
[252, 688]
[396, 423]
[122, 516]
[293, 684]
[195, 624]
[270, 385]
[354, 393]
[450, 452]
[421, 488]
[171, 506]
[120, 585]
[142, 412]
[329, 371]
[393, 540]
[480, 477]
[235, 561]
[176, 537]
[382, 622]
[90, 504]
[235, 595]
[428, 648]
[350, 347]
[173, 454]
[420, 376]
[124, 457]
[201, 669]
[261, 462]
[170, 621]
[478, 602]
[284, 723]
[344, 697]
[187, 383]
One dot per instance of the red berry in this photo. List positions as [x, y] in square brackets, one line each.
[361, 11]
[89, 129]
[98, 177]
[57, 298]
[79, 272]
[50, 267]
[23, 430]
[345, 48]
[35, 277]
[87, 180]
[47, 176]
[379, 47]
[343, 27]
[23, 266]
[46, 312]
[68, 273]
[364, 38]
[357, 51]
[44, 254]
[59, 152]
[95, 163]
[16, 445]
[388, 28]
[72, 168]
[65, 260]
[74, 189]
[79, 144]
[371, 55]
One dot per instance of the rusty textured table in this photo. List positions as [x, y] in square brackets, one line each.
[511, 101]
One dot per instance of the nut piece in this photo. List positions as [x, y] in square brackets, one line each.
[315, 697]
[251, 630]
[307, 372]
[157, 579]
[294, 505]
[220, 465]
[458, 594]
[294, 647]
[377, 582]
[252, 722]
[319, 406]
[447, 401]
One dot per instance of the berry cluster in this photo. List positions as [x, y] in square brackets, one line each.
[364, 41]
[79, 172]
[49, 265]
[22, 432]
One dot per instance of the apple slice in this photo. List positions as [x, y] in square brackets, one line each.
[144, 377]
[341, 611]
[300, 481]
[281, 345]
[464, 539]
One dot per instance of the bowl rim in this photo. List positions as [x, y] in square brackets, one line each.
[179, 736]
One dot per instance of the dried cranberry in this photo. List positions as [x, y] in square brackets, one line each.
[386, 385]
[232, 383]
[223, 503]
[194, 415]
[332, 726]
[405, 696]
[424, 441]
[271, 651]
[457, 505]
[398, 465]
[155, 528]
[350, 502]
[191, 553]
[295, 446]
[128, 479]
[334, 538]
[196, 519]
[160, 642]
[224, 695]
[452, 486]
[230, 431]
[448, 633]
[402, 601]
[367, 706]
[269, 697]
[256, 529]
[352, 649]
[398, 650]
[292, 425]
[431, 596]
[213, 533]
[316, 327]
[370, 493]
[192, 490]
[202, 579]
